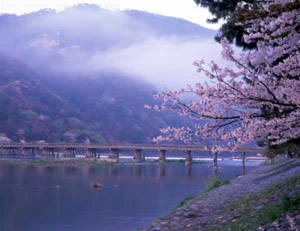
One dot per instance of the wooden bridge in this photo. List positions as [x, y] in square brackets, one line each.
[29, 150]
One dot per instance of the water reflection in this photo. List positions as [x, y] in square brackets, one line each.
[29, 169]
[188, 171]
[215, 171]
[113, 171]
[69, 170]
[62, 198]
[162, 170]
[137, 170]
[49, 169]
[92, 171]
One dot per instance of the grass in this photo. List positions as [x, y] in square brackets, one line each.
[281, 166]
[97, 163]
[201, 162]
[265, 206]
[265, 215]
[43, 162]
[183, 202]
[213, 184]
[75, 162]
[182, 161]
[276, 161]
[260, 207]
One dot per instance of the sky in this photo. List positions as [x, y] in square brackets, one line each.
[185, 9]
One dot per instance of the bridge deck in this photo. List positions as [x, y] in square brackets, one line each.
[166, 147]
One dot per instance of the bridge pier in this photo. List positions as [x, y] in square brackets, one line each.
[8, 152]
[49, 152]
[114, 153]
[162, 156]
[137, 155]
[69, 152]
[41, 151]
[26, 152]
[45, 152]
[14, 152]
[86, 152]
[162, 170]
[31, 152]
[91, 152]
[188, 157]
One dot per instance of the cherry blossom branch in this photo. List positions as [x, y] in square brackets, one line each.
[267, 105]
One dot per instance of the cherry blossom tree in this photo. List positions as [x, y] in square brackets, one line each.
[259, 97]
[4, 139]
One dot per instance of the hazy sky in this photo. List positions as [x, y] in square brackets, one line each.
[185, 9]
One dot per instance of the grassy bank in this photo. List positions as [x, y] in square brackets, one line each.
[212, 184]
[181, 161]
[264, 199]
[64, 161]
[267, 205]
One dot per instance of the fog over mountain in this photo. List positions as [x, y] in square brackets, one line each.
[159, 49]
[85, 73]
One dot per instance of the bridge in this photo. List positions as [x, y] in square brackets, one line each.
[53, 150]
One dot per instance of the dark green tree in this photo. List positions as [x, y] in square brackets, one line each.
[227, 10]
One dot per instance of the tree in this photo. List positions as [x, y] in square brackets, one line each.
[70, 137]
[259, 98]
[4, 139]
[226, 10]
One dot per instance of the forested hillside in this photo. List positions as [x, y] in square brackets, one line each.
[58, 84]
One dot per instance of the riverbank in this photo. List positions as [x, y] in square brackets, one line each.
[63, 162]
[90, 161]
[268, 198]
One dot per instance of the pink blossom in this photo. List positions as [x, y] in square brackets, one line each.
[231, 107]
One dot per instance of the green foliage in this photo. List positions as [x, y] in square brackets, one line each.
[226, 10]
[181, 161]
[273, 150]
[29, 115]
[272, 209]
[44, 162]
[100, 163]
[213, 184]
[265, 215]
[183, 202]
[73, 162]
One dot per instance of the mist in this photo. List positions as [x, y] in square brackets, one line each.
[159, 50]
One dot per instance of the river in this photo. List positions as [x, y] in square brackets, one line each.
[61, 198]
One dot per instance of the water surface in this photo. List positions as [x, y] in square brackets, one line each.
[40, 198]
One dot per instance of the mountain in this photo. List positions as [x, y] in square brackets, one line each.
[106, 108]
[29, 109]
[74, 76]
